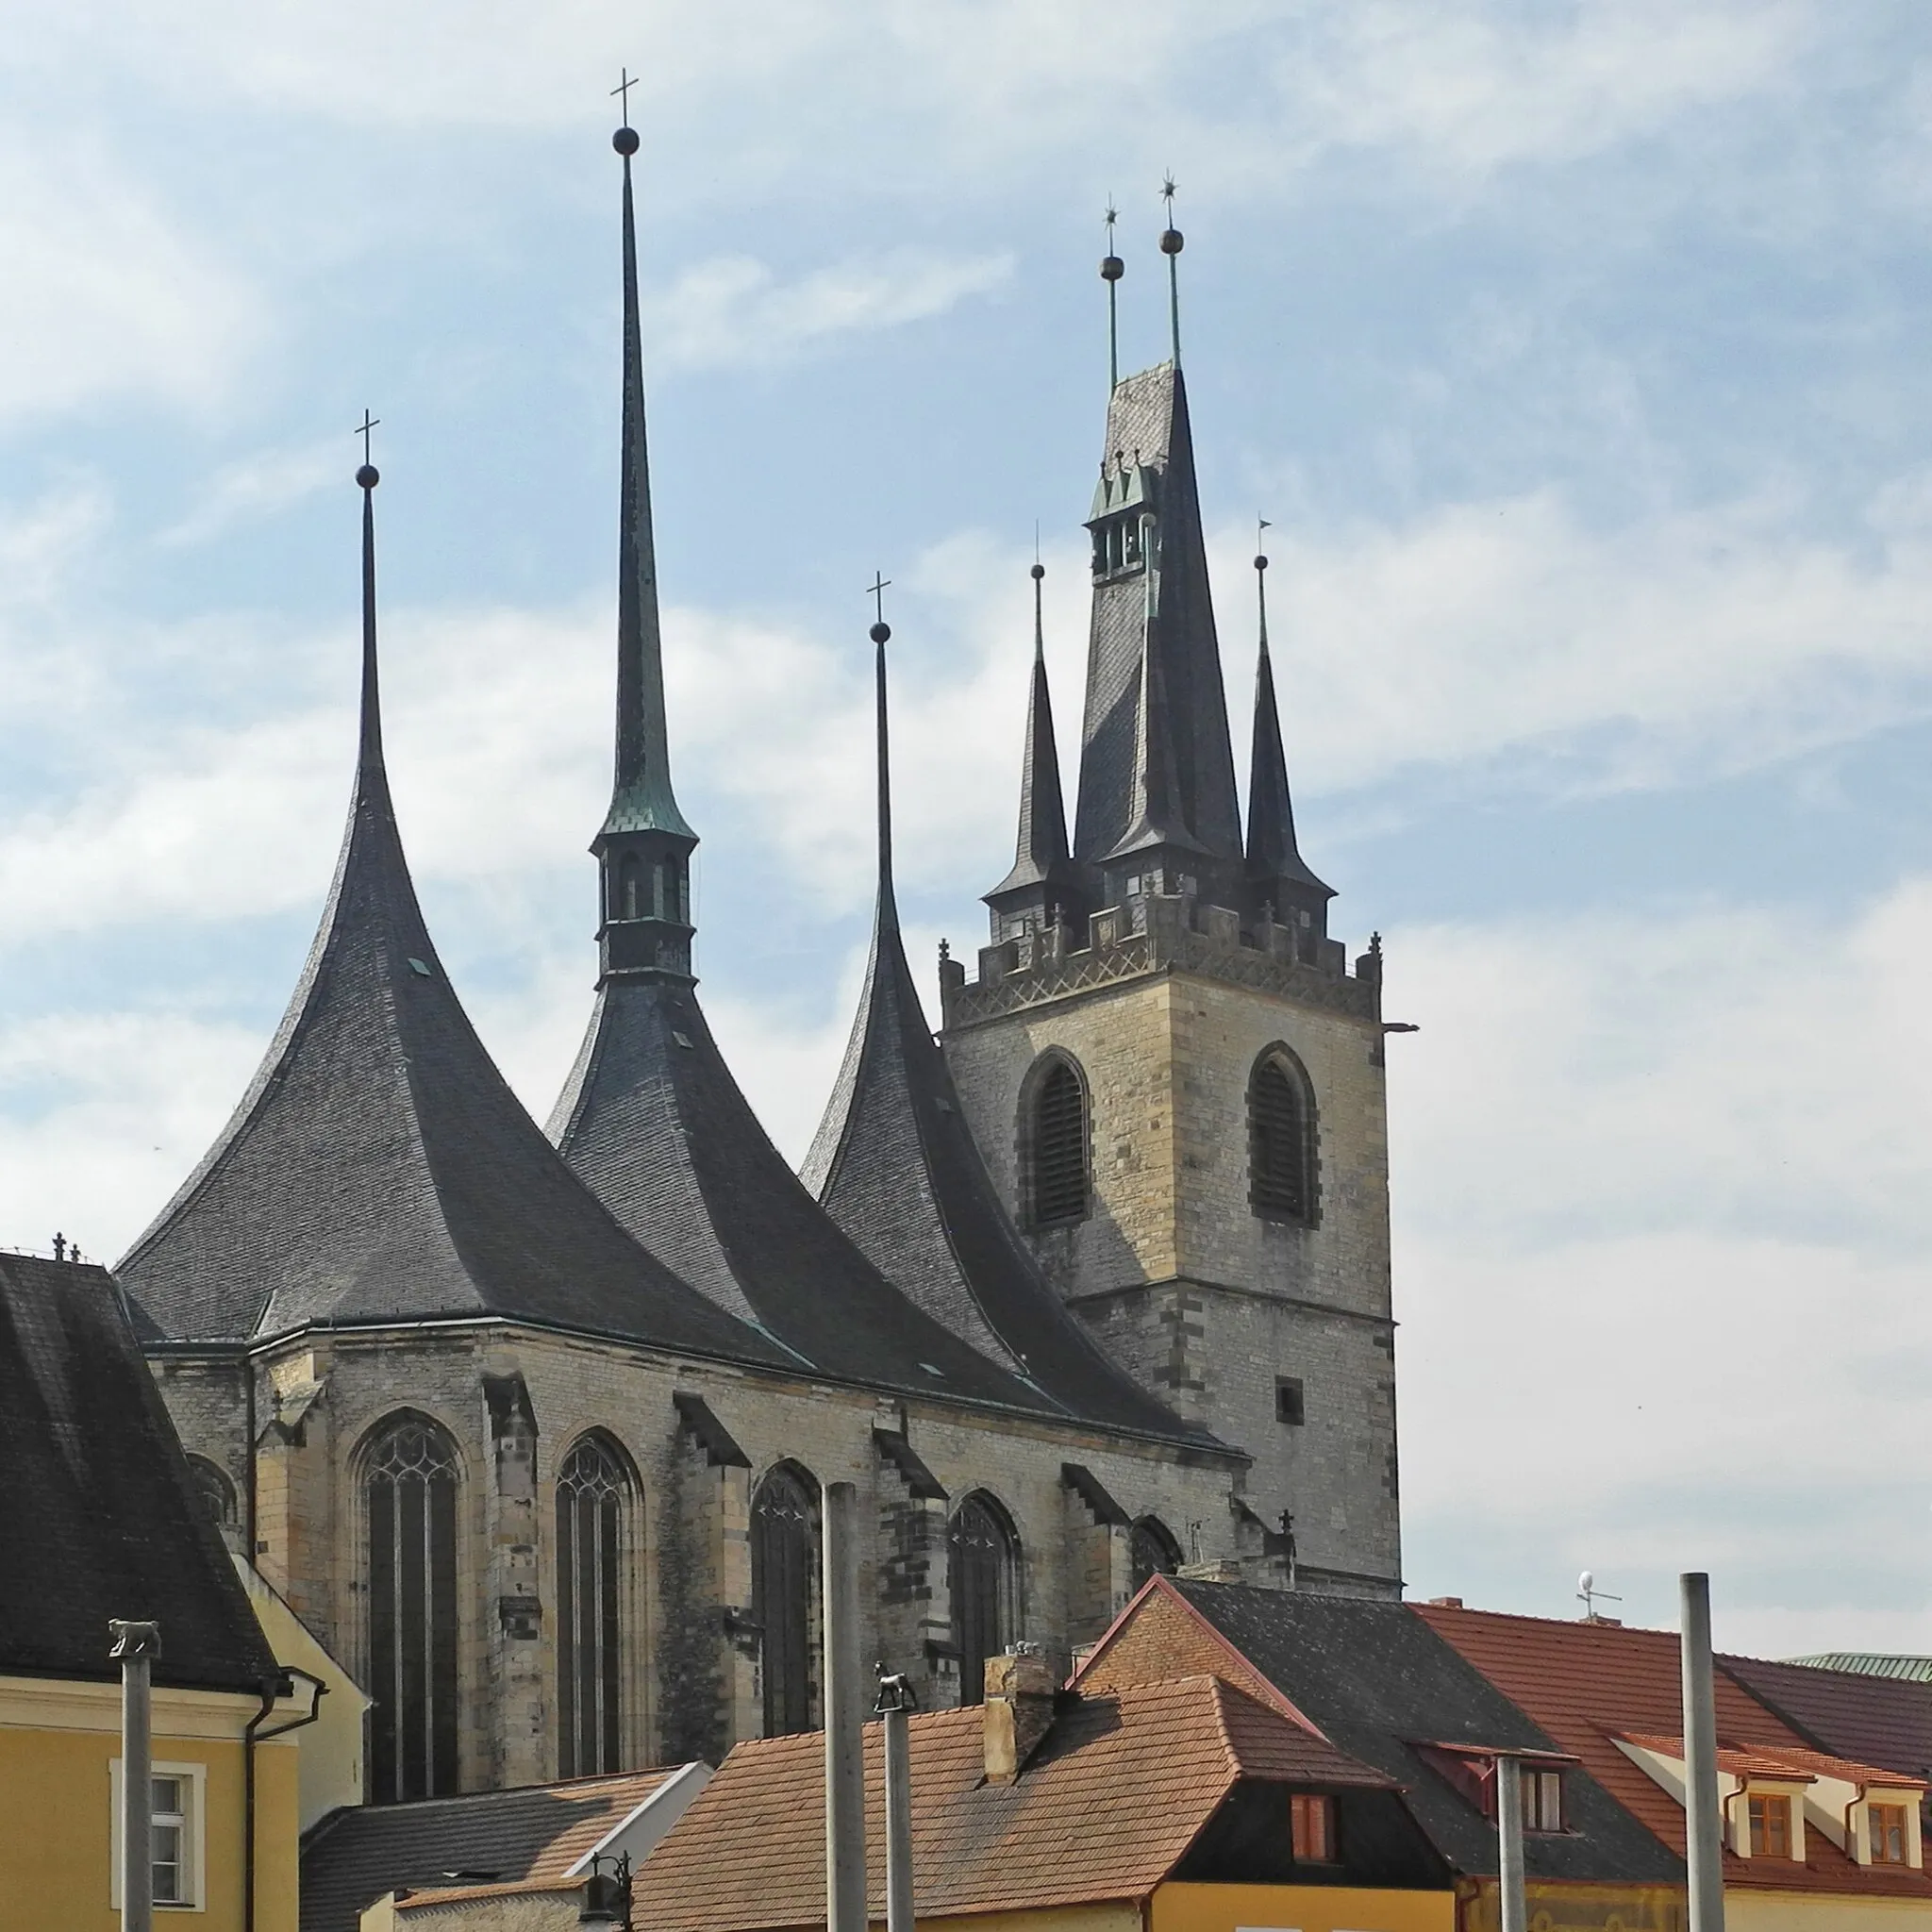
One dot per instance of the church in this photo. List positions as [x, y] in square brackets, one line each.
[530, 1425]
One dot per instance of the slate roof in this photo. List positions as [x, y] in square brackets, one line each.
[1147, 422]
[897, 1168]
[1588, 1683]
[1041, 853]
[356, 1856]
[652, 1120]
[99, 1516]
[1883, 1721]
[379, 1168]
[1105, 1808]
[1379, 1683]
[1273, 851]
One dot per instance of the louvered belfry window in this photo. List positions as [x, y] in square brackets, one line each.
[1281, 1165]
[593, 1493]
[784, 1592]
[409, 1497]
[1060, 1184]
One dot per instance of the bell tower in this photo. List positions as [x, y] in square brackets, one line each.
[1174, 1073]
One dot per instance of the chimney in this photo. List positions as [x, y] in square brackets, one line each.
[1018, 1709]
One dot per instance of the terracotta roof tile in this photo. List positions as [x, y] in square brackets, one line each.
[1588, 1683]
[1872, 1720]
[1104, 1810]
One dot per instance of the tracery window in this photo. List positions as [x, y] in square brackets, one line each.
[409, 1502]
[214, 1491]
[1154, 1550]
[1281, 1139]
[594, 1497]
[984, 1567]
[784, 1591]
[1055, 1140]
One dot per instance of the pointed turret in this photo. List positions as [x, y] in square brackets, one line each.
[643, 848]
[1279, 880]
[1042, 889]
[379, 1167]
[1156, 717]
[898, 1170]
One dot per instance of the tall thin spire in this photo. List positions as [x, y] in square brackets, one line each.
[881, 634]
[1172, 242]
[1278, 877]
[1112, 268]
[642, 799]
[1042, 880]
[369, 747]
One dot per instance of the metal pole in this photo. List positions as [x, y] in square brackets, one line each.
[1515, 1912]
[844, 1717]
[897, 1702]
[135, 1645]
[1703, 1821]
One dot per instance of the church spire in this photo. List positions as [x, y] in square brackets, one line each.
[881, 636]
[1041, 883]
[369, 754]
[644, 846]
[1278, 878]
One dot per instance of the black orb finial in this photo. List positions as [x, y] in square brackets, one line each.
[625, 141]
[1037, 572]
[1111, 268]
[1260, 563]
[367, 476]
[881, 631]
[1170, 240]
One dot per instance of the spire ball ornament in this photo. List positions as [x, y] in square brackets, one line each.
[1111, 268]
[368, 476]
[1260, 563]
[1171, 240]
[1037, 572]
[625, 141]
[880, 632]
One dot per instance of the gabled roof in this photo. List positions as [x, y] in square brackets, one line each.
[1783, 1763]
[897, 1168]
[99, 1516]
[1879, 1719]
[1148, 437]
[1590, 1682]
[537, 1832]
[652, 1120]
[379, 1167]
[1105, 1810]
[1385, 1689]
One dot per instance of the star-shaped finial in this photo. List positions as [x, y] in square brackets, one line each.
[1167, 188]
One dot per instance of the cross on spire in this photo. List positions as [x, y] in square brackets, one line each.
[876, 590]
[622, 90]
[363, 428]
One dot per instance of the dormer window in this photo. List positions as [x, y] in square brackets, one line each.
[1890, 1840]
[1542, 1800]
[1311, 1823]
[1117, 548]
[1770, 1825]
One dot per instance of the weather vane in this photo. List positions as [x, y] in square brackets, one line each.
[1171, 247]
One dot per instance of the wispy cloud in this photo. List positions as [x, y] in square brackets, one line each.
[733, 309]
[254, 488]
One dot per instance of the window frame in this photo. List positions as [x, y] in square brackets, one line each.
[810, 1495]
[1290, 1402]
[1053, 1061]
[1280, 1058]
[1009, 1586]
[1150, 1533]
[612, 1613]
[1874, 1809]
[194, 1862]
[1310, 1806]
[1775, 1804]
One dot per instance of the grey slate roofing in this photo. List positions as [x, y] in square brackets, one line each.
[99, 1517]
[1147, 424]
[1379, 1681]
[897, 1168]
[379, 1168]
[1273, 852]
[1040, 853]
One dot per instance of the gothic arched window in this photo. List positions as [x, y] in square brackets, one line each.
[595, 1494]
[784, 1592]
[213, 1491]
[1154, 1550]
[1053, 1141]
[409, 1504]
[984, 1566]
[1281, 1139]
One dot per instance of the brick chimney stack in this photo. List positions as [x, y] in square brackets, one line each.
[1018, 1709]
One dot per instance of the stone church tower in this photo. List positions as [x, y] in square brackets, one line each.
[1166, 1062]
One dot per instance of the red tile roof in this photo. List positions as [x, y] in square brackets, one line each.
[1588, 1683]
[1103, 1810]
[1794, 1767]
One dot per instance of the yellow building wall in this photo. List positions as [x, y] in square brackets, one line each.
[1796, 1912]
[1580, 1907]
[56, 1812]
[1298, 1909]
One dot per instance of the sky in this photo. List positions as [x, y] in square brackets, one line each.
[1574, 352]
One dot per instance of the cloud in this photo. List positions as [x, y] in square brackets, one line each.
[256, 487]
[1663, 1192]
[733, 310]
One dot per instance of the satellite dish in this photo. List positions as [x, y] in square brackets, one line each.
[1586, 1583]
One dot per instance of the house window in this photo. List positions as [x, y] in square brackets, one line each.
[1281, 1139]
[1289, 1408]
[1154, 1550]
[784, 1594]
[1311, 1819]
[1058, 1185]
[1889, 1835]
[593, 1494]
[409, 1502]
[175, 1809]
[1771, 1827]
[1542, 1800]
[984, 1566]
